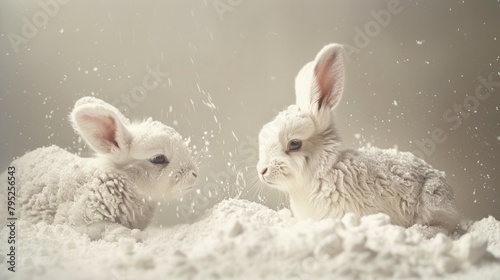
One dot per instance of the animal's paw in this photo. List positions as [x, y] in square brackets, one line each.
[139, 235]
[115, 233]
[285, 214]
[119, 232]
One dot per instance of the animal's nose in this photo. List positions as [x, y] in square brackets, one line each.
[264, 171]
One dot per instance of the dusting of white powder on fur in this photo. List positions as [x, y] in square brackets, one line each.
[241, 239]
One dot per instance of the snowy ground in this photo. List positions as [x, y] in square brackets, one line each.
[245, 240]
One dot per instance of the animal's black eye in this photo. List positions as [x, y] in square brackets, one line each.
[294, 145]
[159, 159]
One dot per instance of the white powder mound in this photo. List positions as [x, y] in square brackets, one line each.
[244, 240]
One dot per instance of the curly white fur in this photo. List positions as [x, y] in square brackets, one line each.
[323, 181]
[113, 192]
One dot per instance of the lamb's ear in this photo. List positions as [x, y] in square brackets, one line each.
[320, 83]
[101, 125]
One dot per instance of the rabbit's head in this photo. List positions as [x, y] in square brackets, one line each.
[301, 143]
[151, 155]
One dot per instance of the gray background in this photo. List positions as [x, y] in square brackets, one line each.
[399, 85]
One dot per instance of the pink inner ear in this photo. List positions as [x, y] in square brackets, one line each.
[325, 80]
[105, 130]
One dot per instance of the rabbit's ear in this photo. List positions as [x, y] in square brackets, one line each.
[303, 83]
[320, 83]
[101, 126]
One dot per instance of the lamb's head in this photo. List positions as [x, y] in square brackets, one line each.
[152, 156]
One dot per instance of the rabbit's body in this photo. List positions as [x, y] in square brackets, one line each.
[299, 154]
[55, 186]
[370, 181]
[105, 196]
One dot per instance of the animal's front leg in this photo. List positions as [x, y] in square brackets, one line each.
[110, 231]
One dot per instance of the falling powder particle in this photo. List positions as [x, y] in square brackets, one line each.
[234, 135]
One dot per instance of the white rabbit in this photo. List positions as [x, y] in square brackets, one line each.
[136, 165]
[299, 155]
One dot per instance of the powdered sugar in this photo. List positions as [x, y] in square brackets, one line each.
[241, 239]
